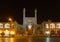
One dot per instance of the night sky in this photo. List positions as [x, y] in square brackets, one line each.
[46, 10]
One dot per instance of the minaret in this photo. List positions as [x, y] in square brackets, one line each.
[36, 15]
[23, 16]
[23, 13]
[35, 24]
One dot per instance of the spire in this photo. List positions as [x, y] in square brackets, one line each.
[24, 22]
[35, 13]
[23, 16]
[23, 12]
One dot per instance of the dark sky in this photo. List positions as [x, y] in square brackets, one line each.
[46, 10]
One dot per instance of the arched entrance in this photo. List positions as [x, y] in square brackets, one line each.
[52, 33]
[6, 32]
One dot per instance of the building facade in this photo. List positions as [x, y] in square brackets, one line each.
[29, 22]
[52, 27]
[7, 28]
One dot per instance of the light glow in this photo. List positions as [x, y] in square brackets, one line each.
[6, 32]
[47, 32]
[10, 19]
[12, 32]
[0, 31]
[29, 27]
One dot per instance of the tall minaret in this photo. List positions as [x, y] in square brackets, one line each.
[23, 16]
[35, 15]
[23, 13]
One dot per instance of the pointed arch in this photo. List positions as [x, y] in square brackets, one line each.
[46, 25]
[52, 25]
[58, 25]
[1, 25]
[7, 25]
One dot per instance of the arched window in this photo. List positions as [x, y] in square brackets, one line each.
[1, 25]
[7, 25]
[46, 25]
[52, 25]
[58, 25]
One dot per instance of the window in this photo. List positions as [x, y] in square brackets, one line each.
[52, 25]
[1, 25]
[7, 25]
[58, 25]
[46, 25]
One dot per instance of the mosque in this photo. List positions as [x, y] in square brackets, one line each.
[30, 26]
[46, 27]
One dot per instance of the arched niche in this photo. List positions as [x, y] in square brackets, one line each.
[7, 25]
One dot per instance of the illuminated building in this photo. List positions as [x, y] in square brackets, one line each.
[7, 28]
[53, 27]
[29, 21]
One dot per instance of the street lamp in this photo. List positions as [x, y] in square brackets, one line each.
[10, 19]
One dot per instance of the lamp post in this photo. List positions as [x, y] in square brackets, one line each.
[10, 19]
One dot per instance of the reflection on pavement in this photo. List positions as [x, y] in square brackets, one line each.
[6, 39]
[29, 39]
[12, 40]
[47, 39]
[0, 40]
